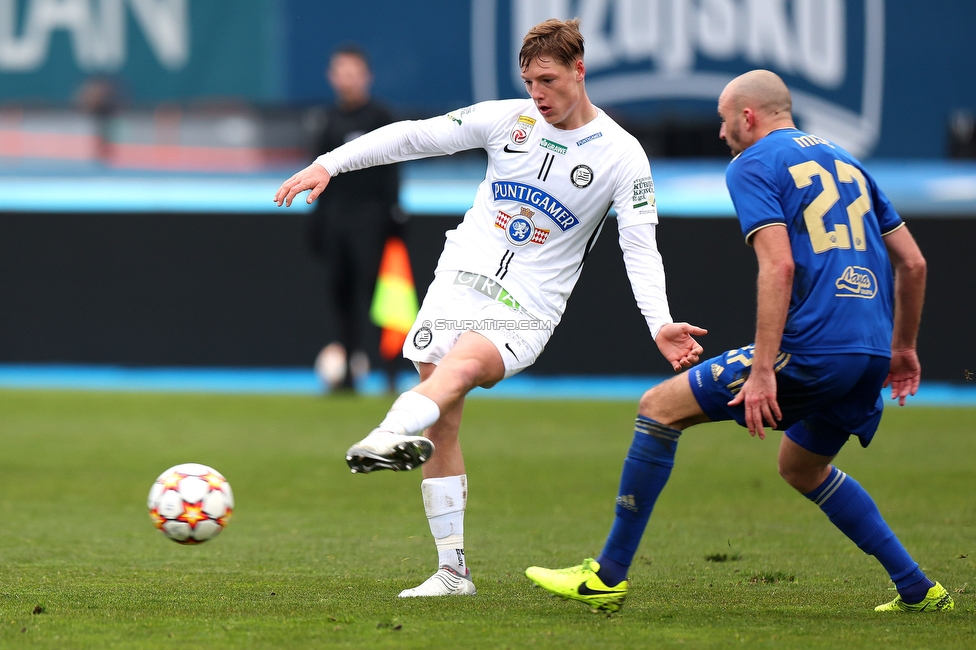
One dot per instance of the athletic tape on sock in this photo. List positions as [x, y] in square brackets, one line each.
[450, 543]
[410, 414]
[444, 495]
[444, 502]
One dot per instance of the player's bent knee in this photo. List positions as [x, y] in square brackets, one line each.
[654, 404]
[474, 373]
[672, 404]
[803, 479]
[648, 406]
[788, 475]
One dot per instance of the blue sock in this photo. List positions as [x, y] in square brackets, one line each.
[851, 509]
[645, 473]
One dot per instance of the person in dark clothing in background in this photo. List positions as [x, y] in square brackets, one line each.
[349, 227]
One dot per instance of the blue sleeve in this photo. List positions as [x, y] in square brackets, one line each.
[888, 218]
[755, 194]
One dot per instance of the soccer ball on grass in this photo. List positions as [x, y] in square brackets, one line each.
[190, 503]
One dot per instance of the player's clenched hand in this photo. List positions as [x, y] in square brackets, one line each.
[904, 374]
[758, 396]
[314, 178]
[675, 342]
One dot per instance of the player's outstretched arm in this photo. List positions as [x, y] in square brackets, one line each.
[905, 372]
[676, 342]
[314, 178]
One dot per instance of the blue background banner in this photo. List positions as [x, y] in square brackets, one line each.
[881, 78]
[157, 50]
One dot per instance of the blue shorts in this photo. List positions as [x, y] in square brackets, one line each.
[824, 398]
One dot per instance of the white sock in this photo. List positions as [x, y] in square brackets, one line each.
[444, 502]
[410, 414]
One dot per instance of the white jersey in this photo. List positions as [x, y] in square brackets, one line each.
[546, 195]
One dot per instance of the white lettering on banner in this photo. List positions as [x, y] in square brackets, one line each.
[98, 31]
[717, 29]
[670, 32]
[821, 29]
[639, 50]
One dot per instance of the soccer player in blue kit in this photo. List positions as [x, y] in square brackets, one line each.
[834, 326]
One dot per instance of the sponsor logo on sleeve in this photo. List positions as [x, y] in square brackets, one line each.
[455, 116]
[856, 282]
[643, 192]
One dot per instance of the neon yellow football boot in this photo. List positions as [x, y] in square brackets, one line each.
[580, 583]
[936, 600]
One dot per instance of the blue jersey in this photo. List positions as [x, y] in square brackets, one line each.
[835, 215]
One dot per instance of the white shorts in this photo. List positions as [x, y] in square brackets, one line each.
[458, 302]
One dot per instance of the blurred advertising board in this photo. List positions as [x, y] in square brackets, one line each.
[883, 78]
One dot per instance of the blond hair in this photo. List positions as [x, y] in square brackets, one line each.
[559, 39]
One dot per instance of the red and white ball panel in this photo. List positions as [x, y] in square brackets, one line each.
[190, 503]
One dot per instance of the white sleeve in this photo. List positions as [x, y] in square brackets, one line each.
[633, 198]
[444, 135]
[645, 268]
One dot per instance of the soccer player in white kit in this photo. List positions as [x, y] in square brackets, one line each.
[556, 166]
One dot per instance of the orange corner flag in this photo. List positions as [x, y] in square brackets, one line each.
[395, 306]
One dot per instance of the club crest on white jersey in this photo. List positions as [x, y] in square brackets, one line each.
[581, 176]
[519, 229]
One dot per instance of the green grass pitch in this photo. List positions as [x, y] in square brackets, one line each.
[315, 556]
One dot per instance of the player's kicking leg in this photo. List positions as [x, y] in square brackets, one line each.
[665, 410]
[396, 444]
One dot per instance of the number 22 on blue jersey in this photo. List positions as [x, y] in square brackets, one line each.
[840, 237]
